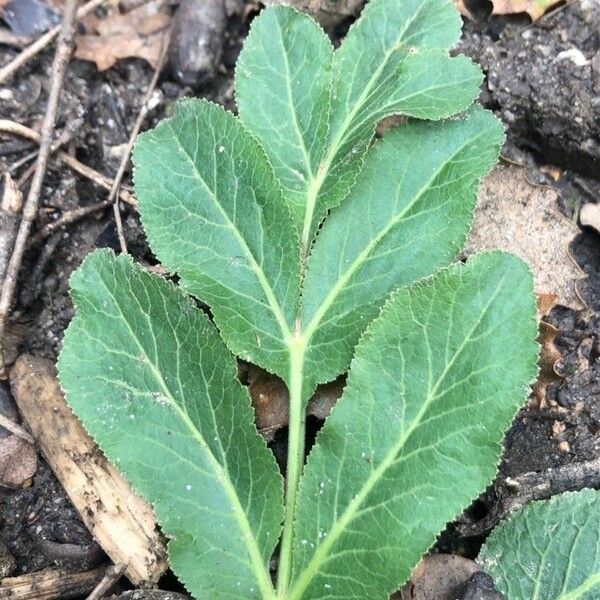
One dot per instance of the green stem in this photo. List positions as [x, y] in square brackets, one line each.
[295, 461]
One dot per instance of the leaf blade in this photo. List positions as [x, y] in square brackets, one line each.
[156, 372]
[283, 88]
[408, 216]
[383, 434]
[564, 529]
[213, 213]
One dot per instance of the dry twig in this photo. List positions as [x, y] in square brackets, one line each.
[42, 42]
[111, 576]
[10, 215]
[112, 196]
[8, 126]
[511, 493]
[49, 584]
[59, 67]
[15, 428]
[120, 521]
[68, 217]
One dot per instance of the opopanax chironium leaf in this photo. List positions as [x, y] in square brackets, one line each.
[232, 206]
[549, 550]
[417, 433]
[156, 387]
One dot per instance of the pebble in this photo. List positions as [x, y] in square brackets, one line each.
[479, 587]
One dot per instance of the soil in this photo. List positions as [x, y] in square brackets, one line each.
[551, 106]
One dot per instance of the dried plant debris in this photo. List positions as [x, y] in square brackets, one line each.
[50, 584]
[10, 217]
[438, 577]
[18, 461]
[18, 458]
[122, 523]
[271, 400]
[534, 8]
[29, 18]
[197, 40]
[138, 33]
[516, 216]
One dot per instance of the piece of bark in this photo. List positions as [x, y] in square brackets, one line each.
[120, 521]
[49, 584]
[10, 217]
[197, 40]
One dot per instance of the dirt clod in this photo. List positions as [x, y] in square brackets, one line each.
[544, 81]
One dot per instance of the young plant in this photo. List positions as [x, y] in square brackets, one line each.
[549, 550]
[295, 229]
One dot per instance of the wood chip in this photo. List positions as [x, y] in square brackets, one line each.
[120, 521]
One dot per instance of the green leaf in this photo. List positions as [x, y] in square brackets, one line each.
[153, 383]
[283, 88]
[394, 60]
[214, 214]
[416, 436]
[414, 203]
[549, 550]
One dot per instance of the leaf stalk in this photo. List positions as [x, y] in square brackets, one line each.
[295, 461]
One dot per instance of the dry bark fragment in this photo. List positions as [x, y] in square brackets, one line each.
[10, 217]
[121, 522]
[49, 584]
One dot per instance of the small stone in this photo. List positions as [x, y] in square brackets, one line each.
[479, 587]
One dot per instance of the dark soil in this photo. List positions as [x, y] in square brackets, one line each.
[551, 106]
